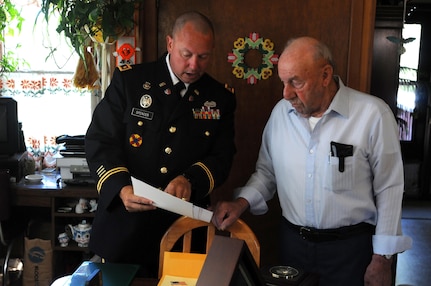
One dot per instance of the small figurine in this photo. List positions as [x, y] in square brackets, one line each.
[82, 206]
[63, 238]
[80, 233]
[93, 205]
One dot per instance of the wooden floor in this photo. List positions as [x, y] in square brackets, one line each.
[413, 266]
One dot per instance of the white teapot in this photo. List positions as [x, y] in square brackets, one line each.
[80, 233]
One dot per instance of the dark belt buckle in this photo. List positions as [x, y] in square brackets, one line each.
[304, 232]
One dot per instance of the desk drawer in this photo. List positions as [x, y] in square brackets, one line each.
[32, 201]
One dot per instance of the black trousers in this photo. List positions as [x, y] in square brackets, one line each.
[338, 262]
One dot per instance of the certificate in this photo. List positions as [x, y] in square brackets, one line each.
[169, 202]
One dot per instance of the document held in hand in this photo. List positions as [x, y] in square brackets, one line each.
[170, 203]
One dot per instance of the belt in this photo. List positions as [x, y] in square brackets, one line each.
[319, 235]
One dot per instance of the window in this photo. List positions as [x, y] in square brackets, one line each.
[406, 98]
[48, 103]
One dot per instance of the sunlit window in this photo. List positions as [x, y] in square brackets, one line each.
[406, 97]
[48, 103]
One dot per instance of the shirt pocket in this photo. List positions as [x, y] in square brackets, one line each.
[337, 181]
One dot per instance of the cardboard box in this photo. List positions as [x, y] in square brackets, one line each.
[180, 268]
[37, 262]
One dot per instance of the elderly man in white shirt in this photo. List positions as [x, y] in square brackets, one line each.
[333, 156]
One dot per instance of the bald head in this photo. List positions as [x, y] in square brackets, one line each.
[309, 47]
[199, 22]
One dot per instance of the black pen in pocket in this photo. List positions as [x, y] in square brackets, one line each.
[341, 151]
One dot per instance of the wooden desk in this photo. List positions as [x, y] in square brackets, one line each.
[42, 193]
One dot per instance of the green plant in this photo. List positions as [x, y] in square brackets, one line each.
[10, 23]
[82, 20]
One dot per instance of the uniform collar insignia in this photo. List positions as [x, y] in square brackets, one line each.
[125, 67]
[146, 85]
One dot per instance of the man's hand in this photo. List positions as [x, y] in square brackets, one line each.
[226, 213]
[180, 187]
[379, 272]
[134, 203]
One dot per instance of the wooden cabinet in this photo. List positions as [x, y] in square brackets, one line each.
[61, 218]
[66, 259]
[51, 197]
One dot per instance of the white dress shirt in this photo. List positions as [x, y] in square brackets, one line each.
[295, 160]
[174, 78]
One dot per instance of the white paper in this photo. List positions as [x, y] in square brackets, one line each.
[168, 202]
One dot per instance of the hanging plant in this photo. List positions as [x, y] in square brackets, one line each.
[10, 24]
[84, 20]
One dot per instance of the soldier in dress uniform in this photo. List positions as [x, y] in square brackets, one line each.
[181, 142]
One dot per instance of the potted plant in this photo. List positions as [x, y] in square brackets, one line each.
[85, 20]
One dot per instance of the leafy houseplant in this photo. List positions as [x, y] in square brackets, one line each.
[100, 20]
[10, 23]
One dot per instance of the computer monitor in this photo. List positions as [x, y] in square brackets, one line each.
[10, 142]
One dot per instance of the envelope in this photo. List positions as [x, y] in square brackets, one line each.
[170, 203]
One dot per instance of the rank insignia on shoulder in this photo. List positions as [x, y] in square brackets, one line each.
[125, 67]
[135, 140]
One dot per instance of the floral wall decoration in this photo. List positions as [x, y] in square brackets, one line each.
[36, 85]
[242, 70]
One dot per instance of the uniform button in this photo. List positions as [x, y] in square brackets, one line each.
[163, 170]
[168, 150]
[172, 129]
[140, 123]
[207, 133]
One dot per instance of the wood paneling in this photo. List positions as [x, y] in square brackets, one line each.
[345, 26]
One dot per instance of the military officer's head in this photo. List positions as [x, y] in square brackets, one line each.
[190, 46]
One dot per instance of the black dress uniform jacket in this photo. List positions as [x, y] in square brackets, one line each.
[142, 128]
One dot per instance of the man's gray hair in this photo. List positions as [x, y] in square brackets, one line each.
[321, 51]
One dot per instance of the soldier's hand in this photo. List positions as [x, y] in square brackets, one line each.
[180, 187]
[134, 203]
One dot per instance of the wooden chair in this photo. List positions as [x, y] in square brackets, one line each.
[183, 227]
